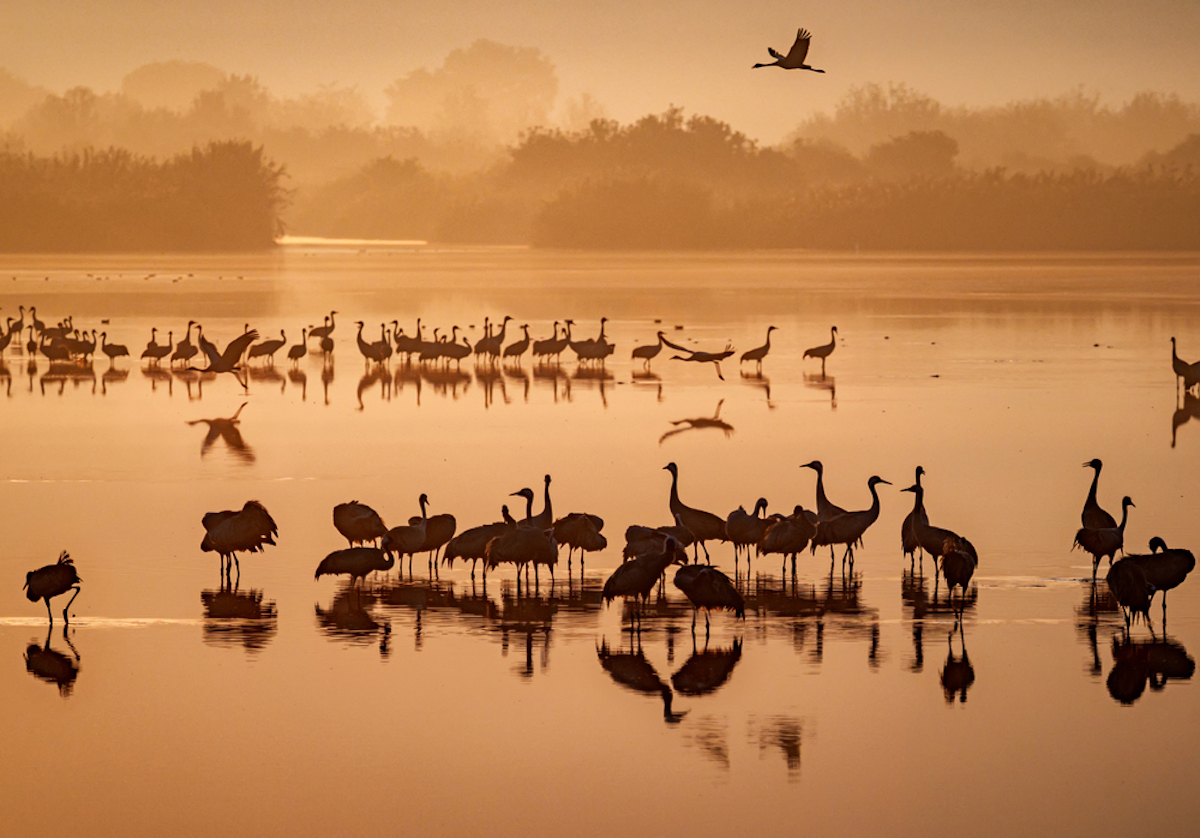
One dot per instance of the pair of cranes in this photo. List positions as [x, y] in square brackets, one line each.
[1135, 579]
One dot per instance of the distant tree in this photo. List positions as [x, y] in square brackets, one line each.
[17, 96]
[171, 84]
[329, 107]
[916, 154]
[488, 90]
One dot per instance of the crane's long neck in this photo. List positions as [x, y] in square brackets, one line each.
[1124, 517]
[1091, 497]
[918, 498]
[389, 561]
[823, 503]
[676, 504]
[529, 507]
[547, 510]
[873, 512]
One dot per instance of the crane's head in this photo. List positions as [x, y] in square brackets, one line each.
[1096, 464]
[815, 465]
[1157, 544]
[671, 467]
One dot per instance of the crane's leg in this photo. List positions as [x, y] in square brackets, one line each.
[76, 590]
[694, 610]
[706, 628]
[48, 613]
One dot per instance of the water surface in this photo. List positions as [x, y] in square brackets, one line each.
[844, 703]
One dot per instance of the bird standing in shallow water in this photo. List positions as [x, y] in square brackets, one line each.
[824, 350]
[708, 588]
[52, 580]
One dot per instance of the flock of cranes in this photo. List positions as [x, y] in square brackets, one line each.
[66, 342]
[535, 541]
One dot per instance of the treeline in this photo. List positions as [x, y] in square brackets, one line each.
[226, 196]
[695, 183]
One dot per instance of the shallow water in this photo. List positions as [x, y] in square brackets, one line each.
[843, 703]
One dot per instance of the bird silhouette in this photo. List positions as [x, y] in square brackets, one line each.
[409, 539]
[641, 540]
[788, 535]
[230, 532]
[518, 348]
[439, 529]
[472, 543]
[295, 353]
[1185, 373]
[1093, 516]
[908, 537]
[355, 562]
[112, 350]
[1165, 568]
[825, 509]
[52, 580]
[185, 350]
[848, 528]
[358, 523]
[824, 350]
[745, 529]
[1130, 588]
[758, 353]
[325, 330]
[267, 348]
[1105, 541]
[522, 546]
[958, 566]
[794, 60]
[704, 526]
[229, 360]
[708, 588]
[580, 531]
[646, 354]
[636, 578]
[930, 539]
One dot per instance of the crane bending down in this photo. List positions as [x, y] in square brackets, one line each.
[794, 60]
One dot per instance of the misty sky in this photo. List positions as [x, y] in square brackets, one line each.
[638, 57]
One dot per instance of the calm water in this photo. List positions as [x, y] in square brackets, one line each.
[844, 704]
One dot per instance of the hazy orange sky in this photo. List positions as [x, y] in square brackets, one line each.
[637, 57]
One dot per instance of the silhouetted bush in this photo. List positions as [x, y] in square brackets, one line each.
[226, 196]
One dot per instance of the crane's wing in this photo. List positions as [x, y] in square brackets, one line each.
[799, 49]
[237, 346]
[776, 54]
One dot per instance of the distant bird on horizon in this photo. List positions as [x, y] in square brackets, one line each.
[794, 60]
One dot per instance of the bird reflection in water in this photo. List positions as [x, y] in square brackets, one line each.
[684, 425]
[1190, 409]
[266, 375]
[1099, 607]
[112, 376]
[233, 618]
[444, 381]
[957, 675]
[190, 377]
[1153, 661]
[52, 666]
[707, 671]
[784, 733]
[227, 431]
[6, 375]
[159, 376]
[759, 382]
[600, 375]
[520, 375]
[377, 374]
[406, 373]
[528, 618]
[488, 377]
[916, 600]
[347, 618]
[75, 372]
[299, 377]
[327, 378]
[821, 381]
[551, 375]
[634, 672]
